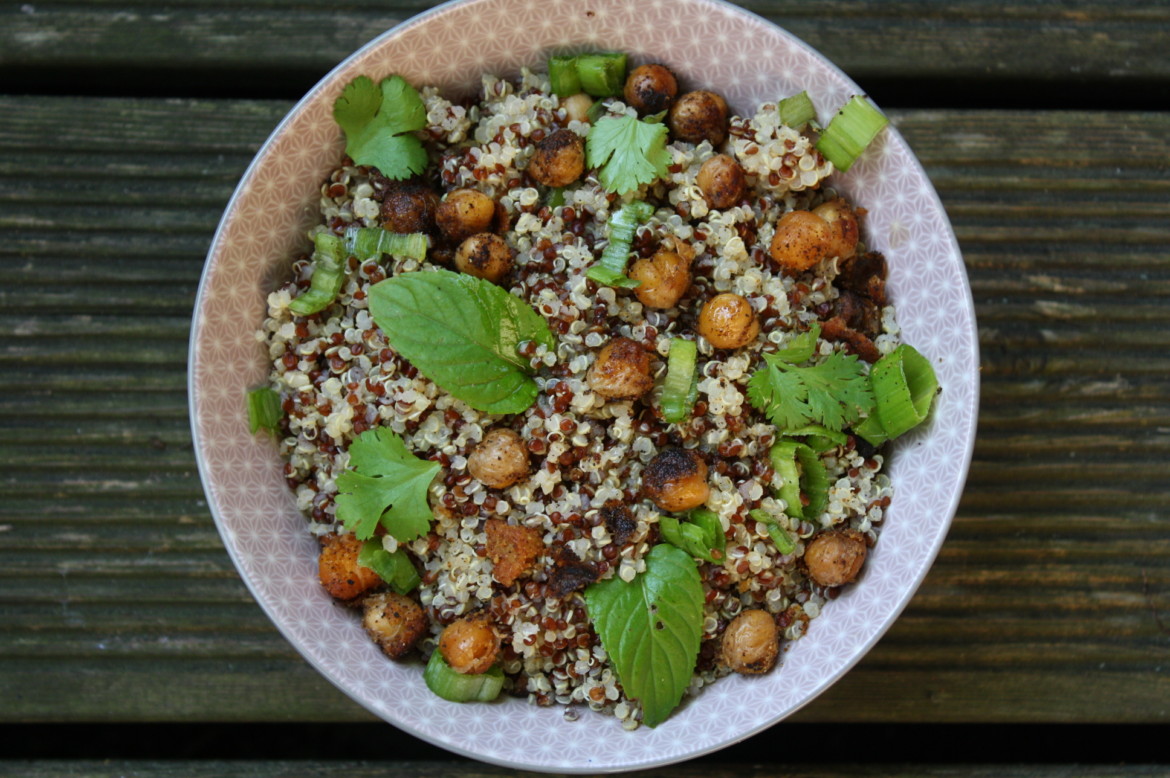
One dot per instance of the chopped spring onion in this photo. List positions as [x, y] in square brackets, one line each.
[264, 409]
[680, 389]
[796, 111]
[904, 385]
[850, 132]
[328, 275]
[562, 72]
[556, 197]
[372, 242]
[395, 569]
[701, 536]
[818, 438]
[458, 687]
[610, 270]
[602, 75]
[801, 470]
[784, 542]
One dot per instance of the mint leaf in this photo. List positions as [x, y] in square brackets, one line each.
[395, 569]
[651, 628]
[628, 152]
[378, 120]
[462, 333]
[385, 484]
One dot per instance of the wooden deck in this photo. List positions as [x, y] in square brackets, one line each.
[1050, 601]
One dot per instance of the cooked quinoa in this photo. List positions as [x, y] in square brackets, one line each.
[338, 377]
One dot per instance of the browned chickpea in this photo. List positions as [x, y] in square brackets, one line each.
[728, 321]
[834, 557]
[394, 621]
[699, 116]
[464, 213]
[409, 206]
[804, 238]
[559, 159]
[577, 107]
[665, 278]
[750, 643]
[650, 89]
[676, 480]
[485, 256]
[622, 370]
[338, 568]
[499, 460]
[843, 223]
[470, 645]
[721, 181]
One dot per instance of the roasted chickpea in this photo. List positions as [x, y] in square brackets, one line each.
[409, 206]
[559, 159]
[470, 645]
[650, 89]
[676, 480]
[499, 460]
[394, 621]
[721, 180]
[622, 370]
[804, 238]
[577, 107]
[338, 568]
[750, 644]
[699, 116]
[665, 278]
[464, 213]
[728, 321]
[485, 256]
[834, 557]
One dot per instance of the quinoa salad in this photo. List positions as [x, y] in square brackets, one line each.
[741, 257]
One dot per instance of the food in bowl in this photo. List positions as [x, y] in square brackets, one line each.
[583, 393]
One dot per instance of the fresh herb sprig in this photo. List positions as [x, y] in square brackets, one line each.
[379, 121]
[629, 152]
[385, 484]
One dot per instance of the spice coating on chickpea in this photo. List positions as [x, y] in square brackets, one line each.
[650, 89]
[513, 550]
[834, 557]
[559, 159]
[409, 206]
[622, 371]
[843, 227]
[499, 460]
[750, 643]
[727, 321]
[485, 256]
[394, 621]
[676, 480]
[699, 116]
[470, 645]
[722, 181]
[338, 568]
[665, 278]
[804, 238]
[464, 213]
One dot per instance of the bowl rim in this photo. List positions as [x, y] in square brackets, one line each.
[926, 560]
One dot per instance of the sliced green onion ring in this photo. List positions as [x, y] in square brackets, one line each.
[264, 410]
[562, 74]
[395, 569]
[780, 537]
[372, 242]
[850, 132]
[802, 471]
[328, 275]
[712, 527]
[459, 687]
[610, 269]
[677, 395]
[819, 439]
[796, 111]
[602, 75]
[904, 386]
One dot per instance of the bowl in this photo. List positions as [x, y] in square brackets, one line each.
[711, 45]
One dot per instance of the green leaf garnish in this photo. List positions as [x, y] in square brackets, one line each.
[651, 628]
[628, 152]
[264, 409]
[700, 536]
[462, 332]
[378, 120]
[834, 393]
[395, 569]
[385, 484]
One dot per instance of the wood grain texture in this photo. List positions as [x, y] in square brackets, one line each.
[1050, 601]
[976, 39]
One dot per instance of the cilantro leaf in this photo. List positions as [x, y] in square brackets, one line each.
[385, 484]
[462, 333]
[651, 628]
[378, 120]
[628, 152]
[835, 393]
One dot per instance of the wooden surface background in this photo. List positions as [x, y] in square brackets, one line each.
[123, 130]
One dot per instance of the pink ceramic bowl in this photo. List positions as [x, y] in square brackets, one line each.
[711, 45]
